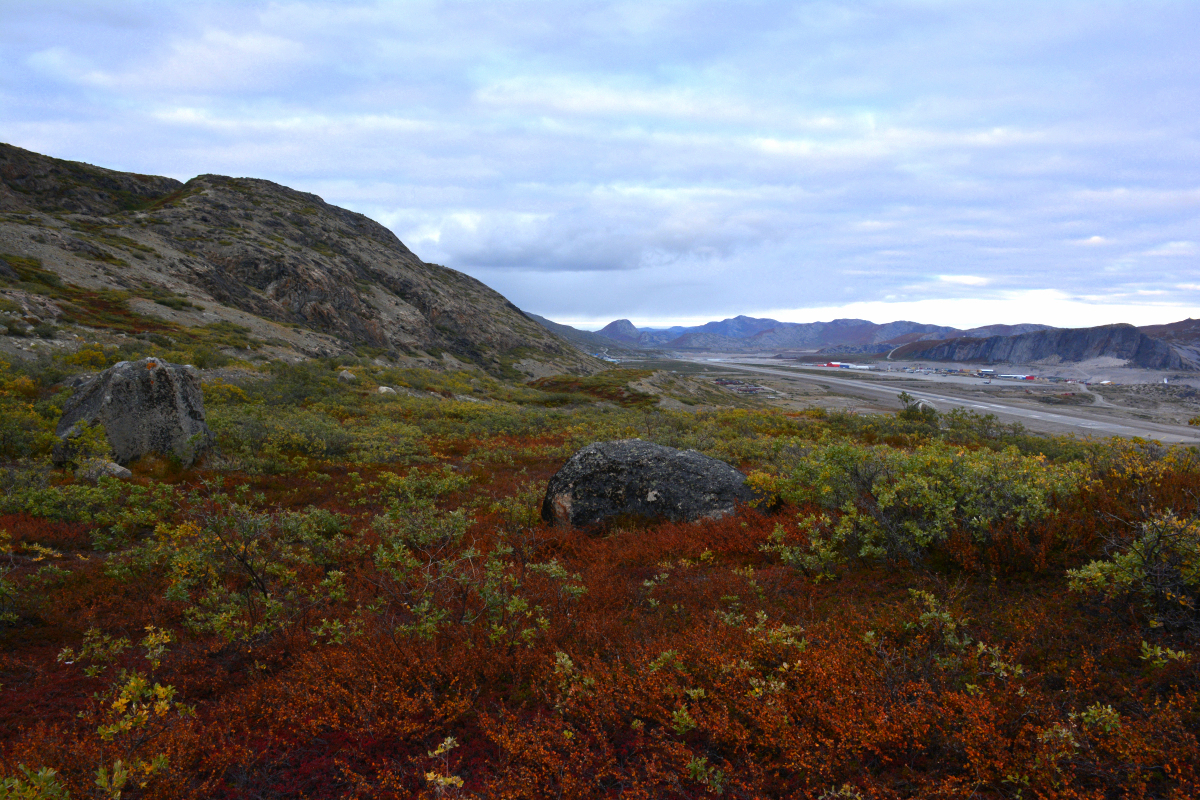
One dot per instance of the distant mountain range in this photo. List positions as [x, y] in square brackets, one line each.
[1174, 346]
[750, 334]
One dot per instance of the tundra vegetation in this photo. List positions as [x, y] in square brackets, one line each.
[355, 596]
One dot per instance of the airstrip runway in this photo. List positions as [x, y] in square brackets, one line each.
[883, 388]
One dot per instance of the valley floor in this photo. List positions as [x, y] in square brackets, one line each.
[1148, 410]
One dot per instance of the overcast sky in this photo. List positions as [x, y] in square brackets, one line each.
[959, 163]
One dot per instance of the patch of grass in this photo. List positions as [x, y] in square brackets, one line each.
[167, 298]
[107, 308]
[611, 385]
[177, 303]
[31, 271]
[165, 201]
[224, 334]
[98, 232]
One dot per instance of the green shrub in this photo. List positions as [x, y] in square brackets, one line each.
[258, 432]
[1157, 566]
[207, 357]
[881, 502]
[240, 573]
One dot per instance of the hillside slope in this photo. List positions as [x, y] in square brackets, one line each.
[250, 252]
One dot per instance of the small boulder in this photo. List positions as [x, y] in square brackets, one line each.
[386, 390]
[641, 479]
[346, 376]
[147, 406]
[96, 469]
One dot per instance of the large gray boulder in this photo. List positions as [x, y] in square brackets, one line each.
[641, 479]
[147, 406]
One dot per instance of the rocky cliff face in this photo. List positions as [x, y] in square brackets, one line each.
[222, 244]
[1064, 344]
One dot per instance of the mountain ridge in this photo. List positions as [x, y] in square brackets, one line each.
[743, 333]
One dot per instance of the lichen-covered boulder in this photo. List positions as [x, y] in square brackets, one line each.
[96, 469]
[641, 479]
[147, 406]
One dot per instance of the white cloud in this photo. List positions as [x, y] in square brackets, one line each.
[1174, 249]
[59, 62]
[964, 280]
[1045, 306]
[215, 60]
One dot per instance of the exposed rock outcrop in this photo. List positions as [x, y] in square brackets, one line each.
[641, 479]
[146, 406]
[1062, 344]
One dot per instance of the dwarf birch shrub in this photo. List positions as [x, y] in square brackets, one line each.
[240, 573]
[1157, 566]
[26, 426]
[419, 561]
[428, 578]
[123, 509]
[257, 430]
[884, 503]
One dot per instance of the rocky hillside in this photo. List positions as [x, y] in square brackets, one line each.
[1184, 336]
[1054, 346]
[295, 271]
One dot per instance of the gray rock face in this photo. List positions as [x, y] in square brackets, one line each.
[146, 406]
[346, 376]
[1067, 344]
[632, 477]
